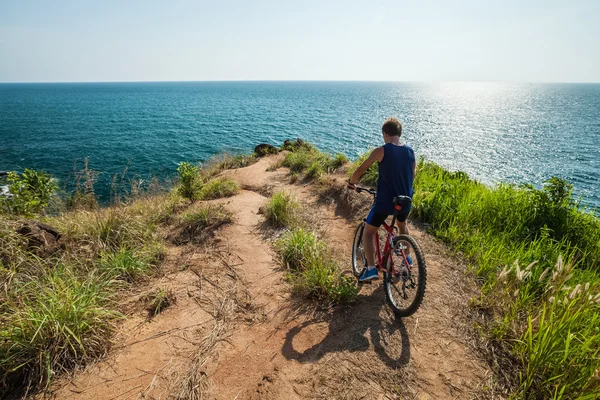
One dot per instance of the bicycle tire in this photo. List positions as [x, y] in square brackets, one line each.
[401, 311]
[357, 270]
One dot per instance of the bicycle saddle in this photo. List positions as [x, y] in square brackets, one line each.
[402, 201]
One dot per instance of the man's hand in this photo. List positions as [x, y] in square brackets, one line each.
[351, 185]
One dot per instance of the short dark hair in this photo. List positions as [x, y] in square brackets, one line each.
[392, 127]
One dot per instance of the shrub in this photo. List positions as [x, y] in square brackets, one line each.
[322, 281]
[282, 209]
[29, 191]
[190, 181]
[218, 188]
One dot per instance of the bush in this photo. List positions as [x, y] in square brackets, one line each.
[282, 209]
[218, 188]
[298, 161]
[190, 181]
[30, 192]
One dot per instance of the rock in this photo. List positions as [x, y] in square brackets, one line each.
[263, 149]
[42, 239]
[291, 146]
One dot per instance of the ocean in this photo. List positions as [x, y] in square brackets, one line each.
[495, 132]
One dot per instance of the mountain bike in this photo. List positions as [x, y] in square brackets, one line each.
[400, 259]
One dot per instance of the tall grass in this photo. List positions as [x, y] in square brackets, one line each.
[282, 209]
[223, 161]
[312, 269]
[218, 188]
[51, 323]
[550, 324]
[307, 158]
[125, 264]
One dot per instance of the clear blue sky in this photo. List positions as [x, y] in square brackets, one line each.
[127, 40]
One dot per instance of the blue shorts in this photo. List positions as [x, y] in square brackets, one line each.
[376, 219]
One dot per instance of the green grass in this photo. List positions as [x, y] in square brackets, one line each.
[224, 161]
[218, 188]
[549, 326]
[371, 174]
[312, 269]
[299, 248]
[206, 216]
[51, 323]
[124, 264]
[282, 209]
[306, 158]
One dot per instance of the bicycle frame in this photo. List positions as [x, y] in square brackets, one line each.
[383, 258]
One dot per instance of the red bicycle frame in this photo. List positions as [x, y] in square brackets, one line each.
[387, 248]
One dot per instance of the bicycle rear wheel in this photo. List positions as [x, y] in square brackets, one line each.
[359, 260]
[405, 286]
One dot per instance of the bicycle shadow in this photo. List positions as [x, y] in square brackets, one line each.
[348, 328]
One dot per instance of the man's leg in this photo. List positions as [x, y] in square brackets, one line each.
[402, 227]
[369, 243]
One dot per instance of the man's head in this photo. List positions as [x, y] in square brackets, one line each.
[392, 127]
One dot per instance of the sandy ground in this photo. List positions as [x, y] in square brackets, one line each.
[237, 332]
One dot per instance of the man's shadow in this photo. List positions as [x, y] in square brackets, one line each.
[348, 329]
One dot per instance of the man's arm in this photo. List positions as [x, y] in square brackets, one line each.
[376, 155]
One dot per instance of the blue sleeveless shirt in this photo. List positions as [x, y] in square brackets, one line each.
[395, 176]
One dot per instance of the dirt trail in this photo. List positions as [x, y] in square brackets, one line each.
[280, 347]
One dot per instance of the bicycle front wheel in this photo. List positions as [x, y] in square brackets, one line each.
[359, 260]
[405, 284]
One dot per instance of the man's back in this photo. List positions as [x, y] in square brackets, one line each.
[395, 176]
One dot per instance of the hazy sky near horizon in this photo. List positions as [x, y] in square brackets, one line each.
[510, 40]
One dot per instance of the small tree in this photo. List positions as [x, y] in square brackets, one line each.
[29, 191]
[190, 181]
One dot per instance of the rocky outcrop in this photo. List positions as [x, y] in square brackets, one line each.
[264, 148]
[42, 239]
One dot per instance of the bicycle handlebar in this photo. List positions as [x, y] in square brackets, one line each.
[364, 189]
